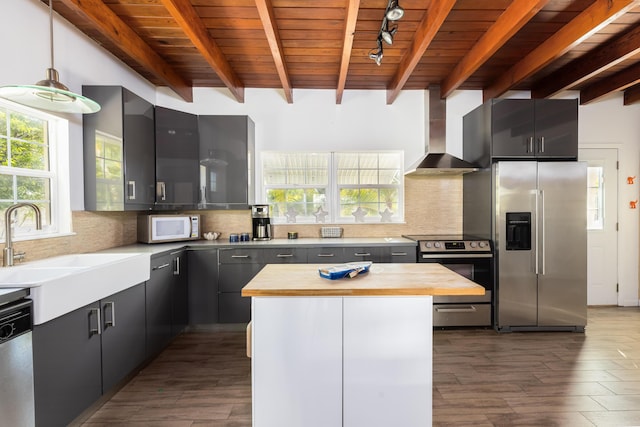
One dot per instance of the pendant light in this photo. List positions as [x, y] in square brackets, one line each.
[49, 94]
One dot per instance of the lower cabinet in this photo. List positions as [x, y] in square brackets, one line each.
[83, 354]
[166, 300]
[203, 286]
[236, 268]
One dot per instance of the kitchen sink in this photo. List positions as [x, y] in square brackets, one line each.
[62, 284]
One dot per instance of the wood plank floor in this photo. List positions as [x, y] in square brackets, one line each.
[481, 378]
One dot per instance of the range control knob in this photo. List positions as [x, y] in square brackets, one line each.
[483, 244]
[437, 244]
[473, 244]
[428, 244]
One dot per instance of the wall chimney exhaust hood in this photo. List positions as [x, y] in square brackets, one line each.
[437, 161]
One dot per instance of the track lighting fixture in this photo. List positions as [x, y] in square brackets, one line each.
[393, 12]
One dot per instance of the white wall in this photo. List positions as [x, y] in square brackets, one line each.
[312, 122]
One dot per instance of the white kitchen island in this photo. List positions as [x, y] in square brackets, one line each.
[349, 352]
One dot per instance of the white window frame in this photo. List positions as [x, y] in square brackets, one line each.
[58, 174]
[332, 190]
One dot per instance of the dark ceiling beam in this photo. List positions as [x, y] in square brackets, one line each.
[426, 31]
[191, 24]
[589, 65]
[509, 23]
[591, 20]
[628, 77]
[130, 43]
[632, 95]
[265, 10]
[349, 32]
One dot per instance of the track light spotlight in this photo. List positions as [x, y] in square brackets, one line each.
[394, 11]
[386, 33]
[376, 55]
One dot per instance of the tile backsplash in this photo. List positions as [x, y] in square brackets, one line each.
[433, 205]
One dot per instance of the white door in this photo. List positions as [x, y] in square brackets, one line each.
[602, 218]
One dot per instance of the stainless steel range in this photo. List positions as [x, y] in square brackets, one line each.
[470, 257]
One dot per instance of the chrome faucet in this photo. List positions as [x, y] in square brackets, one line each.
[8, 245]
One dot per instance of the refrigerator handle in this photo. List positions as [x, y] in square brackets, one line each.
[543, 253]
[536, 245]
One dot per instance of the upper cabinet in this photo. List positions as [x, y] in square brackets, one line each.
[226, 162]
[119, 161]
[177, 159]
[512, 129]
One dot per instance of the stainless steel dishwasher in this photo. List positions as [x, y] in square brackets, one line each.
[16, 359]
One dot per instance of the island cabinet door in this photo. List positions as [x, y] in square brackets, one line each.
[297, 361]
[387, 361]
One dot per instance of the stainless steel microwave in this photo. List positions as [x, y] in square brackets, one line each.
[168, 228]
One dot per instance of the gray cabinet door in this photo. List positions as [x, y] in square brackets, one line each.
[556, 128]
[177, 159]
[158, 304]
[326, 255]
[226, 159]
[203, 286]
[67, 367]
[123, 334]
[404, 254]
[285, 256]
[364, 253]
[512, 128]
[180, 295]
[119, 162]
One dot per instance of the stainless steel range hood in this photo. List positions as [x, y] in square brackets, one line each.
[437, 161]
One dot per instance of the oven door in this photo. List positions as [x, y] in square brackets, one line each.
[464, 310]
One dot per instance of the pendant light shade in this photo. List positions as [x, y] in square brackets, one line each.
[394, 11]
[49, 94]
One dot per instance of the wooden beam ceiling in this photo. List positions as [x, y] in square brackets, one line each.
[347, 45]
[265, 10]
[621, 80]
[119, 33]
[632, 95]
[509, 23]
[595, 17]
[187, 18]
[590, 64]
[427, 30]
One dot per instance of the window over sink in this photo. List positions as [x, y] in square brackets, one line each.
[34, 167]
[334, 187]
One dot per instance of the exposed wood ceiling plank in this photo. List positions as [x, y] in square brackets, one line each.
[265, 10]
[187, 18]
[120, 34]
[589, 65]
[619, 81]
[595, 17]
[349, 31]
[509, 23]
[427, 30]
[632, 95]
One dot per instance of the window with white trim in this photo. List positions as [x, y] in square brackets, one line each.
[34, 164]
[336, 187]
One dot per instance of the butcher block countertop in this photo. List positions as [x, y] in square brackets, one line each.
[404, 279]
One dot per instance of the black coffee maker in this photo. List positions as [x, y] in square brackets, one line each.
[261, 222]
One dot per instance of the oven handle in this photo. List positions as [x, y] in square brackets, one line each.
[436, 256]
[468, 309]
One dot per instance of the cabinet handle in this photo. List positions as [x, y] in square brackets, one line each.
[97, 330]
[530, 145]
[161, 190]
[542, 144]
[284, 255]
[239, 256]
[176, 272]
[398, 254]
[132, 190]
[362, 254]
[112, 321]
[468, 309]
[325, 255]
[160, 267]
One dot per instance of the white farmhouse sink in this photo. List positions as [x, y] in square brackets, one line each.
[62, 284]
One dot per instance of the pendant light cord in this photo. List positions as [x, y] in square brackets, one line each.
[51, 30]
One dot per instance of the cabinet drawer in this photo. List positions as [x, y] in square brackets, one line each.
[241, 256]
[285, 256]
[370, 253]
[326, 255]
[407, 254]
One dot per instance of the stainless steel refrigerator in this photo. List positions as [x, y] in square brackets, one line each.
[538, 224]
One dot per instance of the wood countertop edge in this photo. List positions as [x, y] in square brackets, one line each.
[361, 292]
